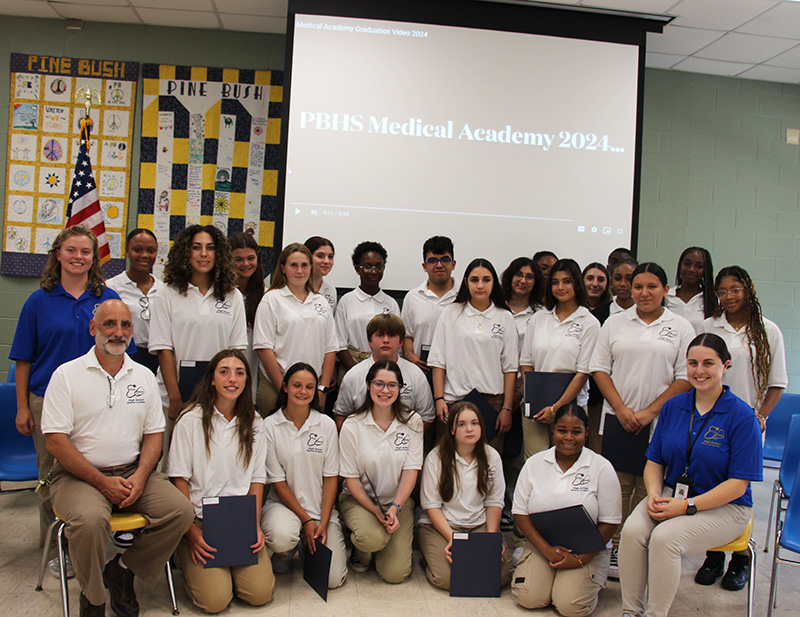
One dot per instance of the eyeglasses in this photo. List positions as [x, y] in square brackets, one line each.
[736, 291]
[391, 386]
[144, 302]
[378, 268]
[527, 277]
[445, 261]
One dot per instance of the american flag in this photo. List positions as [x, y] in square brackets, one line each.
[84, 201]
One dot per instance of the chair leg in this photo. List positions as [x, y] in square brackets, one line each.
[48, 536]
[751, 588]
[62, 569]
[171, 586]
[776, 487]
[773, 583]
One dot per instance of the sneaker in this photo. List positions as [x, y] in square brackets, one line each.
[613, 565]
[355, 564]
[738, 573]
[52, 565]
[280, 563]
[119, 582]
[506, 521]
[712, 568]
[124, 539]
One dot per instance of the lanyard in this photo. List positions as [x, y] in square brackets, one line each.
[689, 443]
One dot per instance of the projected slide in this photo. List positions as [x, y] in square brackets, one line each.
[508, 143]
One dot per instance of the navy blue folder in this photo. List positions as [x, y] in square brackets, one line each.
[229, 525]
[544, 389]
[625, 451]
[488, 412]
[475, 572]
[190, 373]
[570, 527]
[317, 569]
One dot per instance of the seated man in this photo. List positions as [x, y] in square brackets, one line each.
[103, 423]
[385, 333]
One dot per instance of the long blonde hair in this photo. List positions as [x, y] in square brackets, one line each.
[51, 275]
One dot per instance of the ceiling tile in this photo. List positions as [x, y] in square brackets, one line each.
[124, 3]
[28, 8]
[719, 16]
[661, 61]
[682, 41]
[181, 19]
[246, 23]
[789, 59]
[183, 5]
[115, 14]
[274, 8]
[783, 20]
[735, 47]
[772, 73]
[715, 67]
[640, 6]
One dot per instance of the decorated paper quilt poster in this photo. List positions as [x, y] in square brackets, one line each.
[43, 141]
[209, 152]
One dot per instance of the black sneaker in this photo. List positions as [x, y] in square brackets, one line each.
[738, 573]
[711, 570]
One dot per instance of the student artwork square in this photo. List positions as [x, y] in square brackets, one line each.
[43, 144]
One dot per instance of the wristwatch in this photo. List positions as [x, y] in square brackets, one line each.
[323, 389]
[691, 508]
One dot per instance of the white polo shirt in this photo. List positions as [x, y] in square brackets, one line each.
[415, 393]
[553, 346]
[521, 320]
[642, 359]
[692, 311]
[353, 313]
[421, 310]
[220, 470]
[740, 374]
[467, 508]
[591, 482]
[328, 291]
[103, 416]
[379, 457]
[138, 303]
[195, 326]
[302, 458]
[475, 348]
[295, 330]
[615, 308]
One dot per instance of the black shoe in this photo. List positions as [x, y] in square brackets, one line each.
[91, 610]
[738, 573]
[119, 582]
[711, 570]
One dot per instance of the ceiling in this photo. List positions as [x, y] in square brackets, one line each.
[753, 39]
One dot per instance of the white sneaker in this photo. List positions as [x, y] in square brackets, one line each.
[52, 565]
[613, 565]
[355, 564]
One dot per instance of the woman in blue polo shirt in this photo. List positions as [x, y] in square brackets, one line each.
[705, 451]
[53, 328]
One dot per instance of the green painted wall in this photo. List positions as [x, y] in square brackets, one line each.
[715, 170]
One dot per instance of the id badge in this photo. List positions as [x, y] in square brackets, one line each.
[683, 487]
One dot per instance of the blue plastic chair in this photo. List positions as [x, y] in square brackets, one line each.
[787, 538]
[12, 373]
[778, 425]
[782, 487]
[17, 453]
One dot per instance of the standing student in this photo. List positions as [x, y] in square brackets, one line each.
[198, 312]
[53, 328]
[757, 375]
[380, 455]
[567, 474]
[218, 450]
[545, 261]
[693, 294]
[357, 307]
[136, 286]
[475, 345]
[598, 289]
[303, 471]
[250, 283]
[710, 436]
[293, 324]
[639, 362]
[560, 339]
[322, 252]
[523, 288]
[462, 491]
[423, 305]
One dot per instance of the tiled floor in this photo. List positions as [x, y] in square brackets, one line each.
[364, 594]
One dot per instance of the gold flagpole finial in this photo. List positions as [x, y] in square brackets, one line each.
[88, 95]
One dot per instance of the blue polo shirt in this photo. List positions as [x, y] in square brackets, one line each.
[729, 447]
[53, 328]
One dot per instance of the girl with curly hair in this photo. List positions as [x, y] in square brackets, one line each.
[198, 312]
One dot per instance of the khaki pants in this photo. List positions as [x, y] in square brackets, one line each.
[284, 532]
[573, 593]
[44, 462]
[392, 551]
[212, 589]
[86, 512]
[535, 436]
[437, 568]
[266, 395]
[633, 492]
[650, 552]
